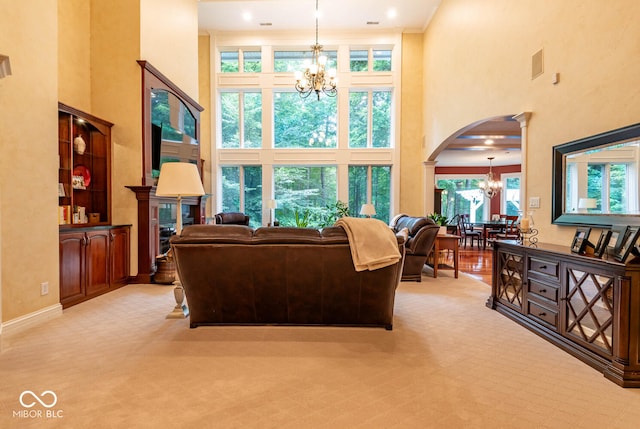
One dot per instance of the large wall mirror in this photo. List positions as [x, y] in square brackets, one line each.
[173, 131]
[595, 179]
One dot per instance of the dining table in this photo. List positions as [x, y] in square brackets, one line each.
[488, 225]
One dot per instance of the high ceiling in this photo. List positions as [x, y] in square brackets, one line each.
[285, 15]
[467, 149]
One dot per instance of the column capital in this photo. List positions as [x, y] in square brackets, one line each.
[523, 118]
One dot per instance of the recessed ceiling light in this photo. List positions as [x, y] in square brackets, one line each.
[246, 16]
[392, 13]
[488, 141]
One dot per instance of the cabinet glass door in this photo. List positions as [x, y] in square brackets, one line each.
[589, 309]
[509, 282]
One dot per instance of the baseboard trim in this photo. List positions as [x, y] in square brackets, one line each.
[32, 319]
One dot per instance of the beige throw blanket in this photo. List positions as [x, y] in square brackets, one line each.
[373, 244]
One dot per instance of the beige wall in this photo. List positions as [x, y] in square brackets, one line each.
[28, 157]
[169, 40]
[206, 145]
[74, 59]
[478, 64]
[411, 132]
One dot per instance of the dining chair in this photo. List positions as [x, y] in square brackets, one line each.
[512, 230]
[466, 231]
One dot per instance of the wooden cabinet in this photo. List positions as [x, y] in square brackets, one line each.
[92, 261]
[84, 173]
[589, 307]
[94, 256]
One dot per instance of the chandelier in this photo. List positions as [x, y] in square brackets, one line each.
[316, 78]
[490, 186]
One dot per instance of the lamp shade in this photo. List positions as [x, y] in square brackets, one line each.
[587, 203]
[179, 179]
[271, 204]
[368, 210]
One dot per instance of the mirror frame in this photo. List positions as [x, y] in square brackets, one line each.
[558, 217]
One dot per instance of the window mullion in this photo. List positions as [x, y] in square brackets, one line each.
[241, 117]
[370, 118]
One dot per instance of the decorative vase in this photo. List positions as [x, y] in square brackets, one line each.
[79, 145]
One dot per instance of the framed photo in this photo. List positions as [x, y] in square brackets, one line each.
[601, 245]
[580, 239]
[617, 234]
[61, 192]
[628, 243]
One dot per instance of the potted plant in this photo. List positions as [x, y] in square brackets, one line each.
[441, 220]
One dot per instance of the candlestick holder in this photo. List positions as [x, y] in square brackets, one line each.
[528, 237]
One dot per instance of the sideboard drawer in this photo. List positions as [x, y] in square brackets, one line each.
[549, 268]
[542, 313]
[543, 290]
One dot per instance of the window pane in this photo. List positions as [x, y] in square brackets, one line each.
[230, 108]
[252, 120]
[252, 61]
[253, 195]
[291, 61]
[512, 196]
[381, 191]
[595, 176]
[359, 61]
[358, 118]
[618, 189]
[230, 189]
[381, 132]
[381, 60]
[229, 61]
[357, 188]
[306, 191]
[463, 197]
[304, 123]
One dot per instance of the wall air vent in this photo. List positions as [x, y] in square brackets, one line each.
[373, 22]
[537, 64]
[266, 24]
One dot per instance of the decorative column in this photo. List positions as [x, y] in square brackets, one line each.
[429, 180]
[523, 119]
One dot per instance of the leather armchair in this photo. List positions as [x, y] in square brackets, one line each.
[232, 218]
[419, 243]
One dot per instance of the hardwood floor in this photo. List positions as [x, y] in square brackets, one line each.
[476, 263]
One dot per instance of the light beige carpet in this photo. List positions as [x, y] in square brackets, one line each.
[450, 362]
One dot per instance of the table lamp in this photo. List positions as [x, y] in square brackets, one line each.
[368, 210]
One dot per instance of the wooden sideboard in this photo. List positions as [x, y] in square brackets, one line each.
[589, 307]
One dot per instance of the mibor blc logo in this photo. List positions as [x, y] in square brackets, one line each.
[38, 406]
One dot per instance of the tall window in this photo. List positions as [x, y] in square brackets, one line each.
[242, 191]
[377, 179]
[304, 122]
[607, 184]
[311, 152]
[510, 194]
[241, 114]
[303, 194]
[370, 118]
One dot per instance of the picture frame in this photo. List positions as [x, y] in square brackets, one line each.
[580, 239]
[628, 243]
[617, 234]
[601, 245]
[61, 192]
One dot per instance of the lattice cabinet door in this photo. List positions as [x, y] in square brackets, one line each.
[589, 309]
[509, 283]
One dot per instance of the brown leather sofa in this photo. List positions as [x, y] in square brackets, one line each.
[234, 275]
[231, 218]
[421, 238]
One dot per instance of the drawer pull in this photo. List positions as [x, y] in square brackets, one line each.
[543, 267]
[542, 314]
[543, 290]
